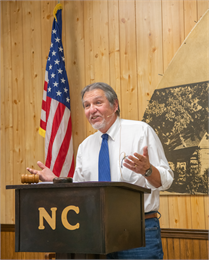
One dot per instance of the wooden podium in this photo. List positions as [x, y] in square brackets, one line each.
[80, 218]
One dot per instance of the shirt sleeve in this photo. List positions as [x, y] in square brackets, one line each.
[78, 176]
[158, 159]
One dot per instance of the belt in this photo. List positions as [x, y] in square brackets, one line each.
[152, 215]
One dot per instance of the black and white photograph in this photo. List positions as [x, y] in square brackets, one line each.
[179, 116]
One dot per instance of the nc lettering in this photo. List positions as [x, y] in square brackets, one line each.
[51, 220]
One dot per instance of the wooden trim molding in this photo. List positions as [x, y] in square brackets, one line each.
[185, 233]
[201, 234]
[7, 227]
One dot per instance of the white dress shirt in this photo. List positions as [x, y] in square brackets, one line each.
[125, 138]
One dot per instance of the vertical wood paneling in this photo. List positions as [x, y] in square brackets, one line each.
[175, 248]
[164, 211]
[165, 249]
[197, 212]
[73, 12]
[3, 247]
[170, 247]
[114, 47]
[7, 212]
[177, 251]
[202, 6]
[2, 130]
[190, 15]
[89, 51]
[196, 245]
[18, 91]
[101, 44]
[179, 210]
[204, 251]
[173, 28]
[33, 82]
[88, 36]
[149, 49]
[206, 212]
[129, 108]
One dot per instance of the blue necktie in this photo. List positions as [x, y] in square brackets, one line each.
[104, 162]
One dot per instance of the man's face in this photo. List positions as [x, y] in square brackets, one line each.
[100, 114]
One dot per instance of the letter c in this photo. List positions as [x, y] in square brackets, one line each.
[65, 222]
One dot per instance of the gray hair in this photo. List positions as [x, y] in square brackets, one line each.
[108, 90]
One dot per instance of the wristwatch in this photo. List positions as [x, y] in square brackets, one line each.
[148, 172]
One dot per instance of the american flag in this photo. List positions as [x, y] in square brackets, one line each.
[55, 123]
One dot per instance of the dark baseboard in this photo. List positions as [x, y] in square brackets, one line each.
[165, 232]
[7, 227]
[185, 233]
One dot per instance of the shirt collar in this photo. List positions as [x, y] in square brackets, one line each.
[112, 131]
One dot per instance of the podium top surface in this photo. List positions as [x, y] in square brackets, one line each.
[51, 185]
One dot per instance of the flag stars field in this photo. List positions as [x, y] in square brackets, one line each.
[57, 62]
[59, 93]
[55, 84]
[57, 39]
[63, 80]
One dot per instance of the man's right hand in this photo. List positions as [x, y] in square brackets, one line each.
[45, 174]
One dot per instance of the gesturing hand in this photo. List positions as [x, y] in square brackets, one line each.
[138, 163]
[45, 174]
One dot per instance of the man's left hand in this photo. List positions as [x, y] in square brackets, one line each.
[138, 163]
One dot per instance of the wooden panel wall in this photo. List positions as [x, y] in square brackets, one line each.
[126, 43]
[175, 248]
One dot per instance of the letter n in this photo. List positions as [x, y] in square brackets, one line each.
[51, 220]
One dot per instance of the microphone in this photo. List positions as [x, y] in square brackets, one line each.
[111, 114]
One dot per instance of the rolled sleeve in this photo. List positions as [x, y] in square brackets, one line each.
[166, 176]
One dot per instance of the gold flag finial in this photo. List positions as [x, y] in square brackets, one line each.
[57, 7]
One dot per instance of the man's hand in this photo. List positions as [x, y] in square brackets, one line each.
[138, 163]
[45, 174]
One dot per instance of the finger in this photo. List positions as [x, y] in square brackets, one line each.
[137, 159]
[32, 171]
[41, 165]
[133, 168]
[129, 161]
[130, 164]
[145, 151]
[138, 156]
[28, 169]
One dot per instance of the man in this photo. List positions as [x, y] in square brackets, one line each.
[135, 155]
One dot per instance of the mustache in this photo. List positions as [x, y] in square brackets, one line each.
[96, 115]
